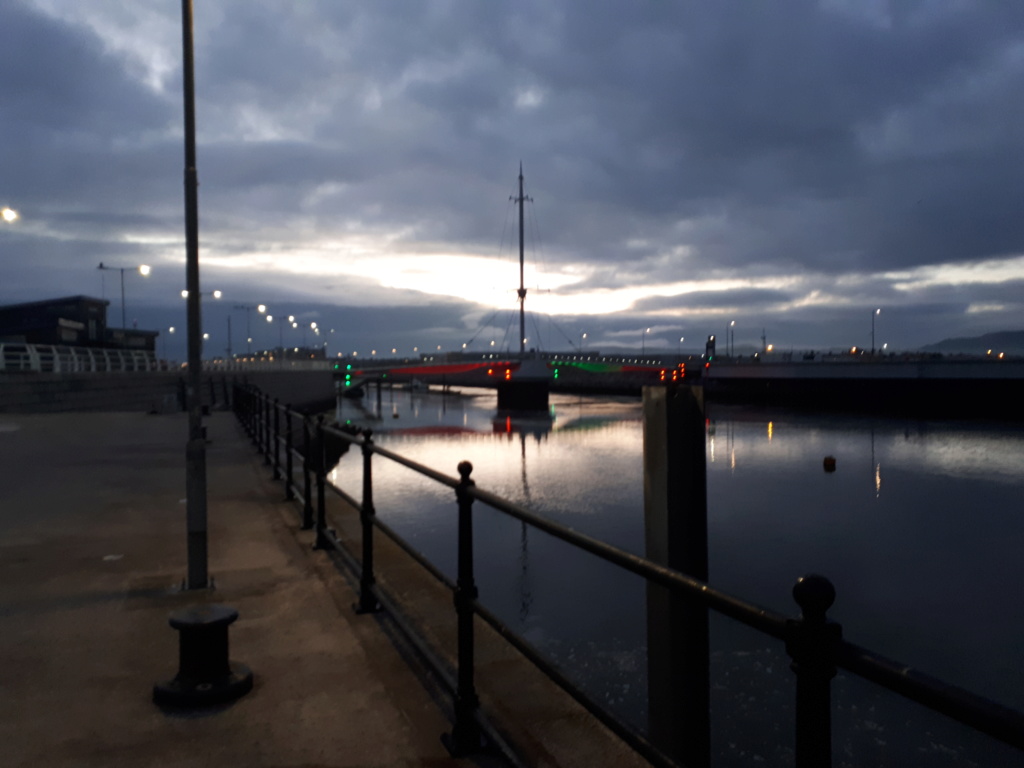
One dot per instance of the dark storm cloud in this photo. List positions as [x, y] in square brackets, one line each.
[832, 141]
[826, 139]
[74, 123]
[748, 298]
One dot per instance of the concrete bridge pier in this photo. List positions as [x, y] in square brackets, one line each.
[675, 521]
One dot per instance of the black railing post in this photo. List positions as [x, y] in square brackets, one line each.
[289, 457]
[267, 404]
[367, 600]
[811, 645]
[465, 737]
[242, 404]
[246, 408]
[307, 482]
[254, 431]
[321, 541]
[277, 439]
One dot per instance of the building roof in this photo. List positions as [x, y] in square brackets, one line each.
[78, 299]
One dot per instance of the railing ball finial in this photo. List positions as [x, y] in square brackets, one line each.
[815, 595]
[465, 469]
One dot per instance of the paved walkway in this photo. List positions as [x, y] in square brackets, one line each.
[92, 554]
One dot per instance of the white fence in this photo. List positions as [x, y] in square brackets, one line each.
[47, 358]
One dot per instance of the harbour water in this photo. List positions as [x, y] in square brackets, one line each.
[920, 528]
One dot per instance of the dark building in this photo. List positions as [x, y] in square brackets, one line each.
[74, 321]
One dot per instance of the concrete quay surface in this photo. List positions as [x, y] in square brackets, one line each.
[92, 557]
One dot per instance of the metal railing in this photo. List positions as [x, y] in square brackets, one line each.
[16, 357]
[813, 642]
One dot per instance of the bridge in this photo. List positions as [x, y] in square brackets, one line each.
[42, 377]
[923, 386]
[558, 372]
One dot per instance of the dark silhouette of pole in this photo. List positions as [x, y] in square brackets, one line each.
[676, 533]
[195, 451]
[124, 321]
[522, 287]
[142, 269]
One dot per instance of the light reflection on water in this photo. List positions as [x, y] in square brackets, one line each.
[919, 527]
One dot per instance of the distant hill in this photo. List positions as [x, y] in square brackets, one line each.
[1010, 342]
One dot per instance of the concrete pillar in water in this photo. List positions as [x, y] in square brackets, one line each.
[675, 519]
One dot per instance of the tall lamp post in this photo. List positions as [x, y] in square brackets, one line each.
[163, 344]
[874, 314]
[731, 338]
[216, 295]
[280, 328]
[195, 450]
[142, 269]
[643, 341]
[262, 309]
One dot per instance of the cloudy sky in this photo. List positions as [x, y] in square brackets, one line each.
[790, 165]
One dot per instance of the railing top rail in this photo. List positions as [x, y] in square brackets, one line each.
[769, 622]
[979, 713]
[996, 720]
[433, 474]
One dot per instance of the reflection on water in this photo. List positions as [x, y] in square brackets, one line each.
[919, 527]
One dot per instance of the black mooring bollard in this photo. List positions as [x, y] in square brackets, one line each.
[206, 676]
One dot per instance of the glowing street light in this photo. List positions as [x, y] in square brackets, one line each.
[874, 314]
[262, 309]
[142, 269]
[9, 215]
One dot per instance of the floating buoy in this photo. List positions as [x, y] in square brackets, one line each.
[829, 463]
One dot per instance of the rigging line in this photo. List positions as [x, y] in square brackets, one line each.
[512, 318]
[538, 258]
[540, 342]
[572, 344]
[509, 207]
[483, 325]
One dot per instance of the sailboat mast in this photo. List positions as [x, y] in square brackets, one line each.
[522, 287]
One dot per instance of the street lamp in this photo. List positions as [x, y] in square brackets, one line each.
[873, 316]
[731, 338]
[164, 345]
[9, 215]
[261, 308]
[643, 341]
[280, 328]
[680, 349]
[142, 269]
